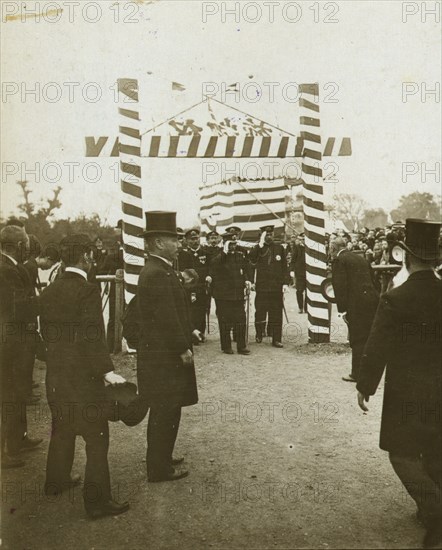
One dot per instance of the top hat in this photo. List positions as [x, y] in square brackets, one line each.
[422, 238]
[267, 228]
[192, 232]
[124, 404]
[159, 222]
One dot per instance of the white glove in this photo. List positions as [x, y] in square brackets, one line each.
[285, 288]
[113, 378]
[262, 239]
[248, 285]
[209, 280]
[292, 274]
[197, 335]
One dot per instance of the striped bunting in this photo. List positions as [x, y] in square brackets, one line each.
[314, 215]
[248, 203]
[206, 146]
[131, 186]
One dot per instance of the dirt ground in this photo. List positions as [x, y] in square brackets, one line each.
[280, 456]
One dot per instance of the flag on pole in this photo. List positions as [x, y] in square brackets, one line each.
[247, 203]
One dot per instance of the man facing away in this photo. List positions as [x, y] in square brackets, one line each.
[272, 280]
[78, 364]
[356, 298]
[166, 373]
[406, 341]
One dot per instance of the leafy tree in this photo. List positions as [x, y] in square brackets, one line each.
[417, 205]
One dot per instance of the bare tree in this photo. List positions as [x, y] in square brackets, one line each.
[350, 209]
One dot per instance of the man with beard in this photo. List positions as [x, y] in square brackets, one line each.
[230, 276]
[166, 372]
[356, 298]
[272, 280]
[405, 340]
[196, 257]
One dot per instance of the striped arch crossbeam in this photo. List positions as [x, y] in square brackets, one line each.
[307, 145]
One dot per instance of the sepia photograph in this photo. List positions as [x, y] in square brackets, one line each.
[220, 274]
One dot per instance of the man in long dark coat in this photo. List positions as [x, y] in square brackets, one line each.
[78, 364]
[16, 314]
[166, 373]
[356, 299]
[271, 281]
[406, 341]
[230, 275]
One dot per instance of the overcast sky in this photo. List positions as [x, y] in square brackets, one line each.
[360, 61]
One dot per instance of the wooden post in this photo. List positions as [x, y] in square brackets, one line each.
[119, 309]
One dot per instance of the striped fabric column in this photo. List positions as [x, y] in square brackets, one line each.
[314, 215]
[131, 189]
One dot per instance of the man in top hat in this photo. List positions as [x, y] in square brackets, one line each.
[196, 257]
[271, 281]
[230, 275]
[405, 339]
[356, 298]
[298, 271]
[78, 366]
[166, 372]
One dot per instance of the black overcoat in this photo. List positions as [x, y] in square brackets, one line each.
[166, 333]
[72, 327]
[297, 264]
[355, 294]
[406, 340]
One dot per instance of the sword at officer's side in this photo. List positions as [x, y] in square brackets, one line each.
[247, 315]
[284, 310]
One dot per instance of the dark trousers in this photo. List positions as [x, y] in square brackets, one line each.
[269, 303]
[162, 431]
[356, 355]
[301, 299]
[13, 416]
[199, 310]
[67, 423]
[422, 477]
[110, 330]
[231, 316]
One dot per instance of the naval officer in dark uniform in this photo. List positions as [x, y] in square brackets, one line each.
[195, 257]
[271, 281]
[405, 340]
[230, 277]
[166, 372]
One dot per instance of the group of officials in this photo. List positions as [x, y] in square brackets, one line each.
[399, 332]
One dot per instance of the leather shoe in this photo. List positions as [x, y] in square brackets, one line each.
[9, 461]
[29, 444]
[349, 378]
[32, 399]
[35, 385]
[277, 345]
[110, 508]
[170, 476]
[228, 351]
[178, 460]
[55, 489]
[258, 339]
[244, 351]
